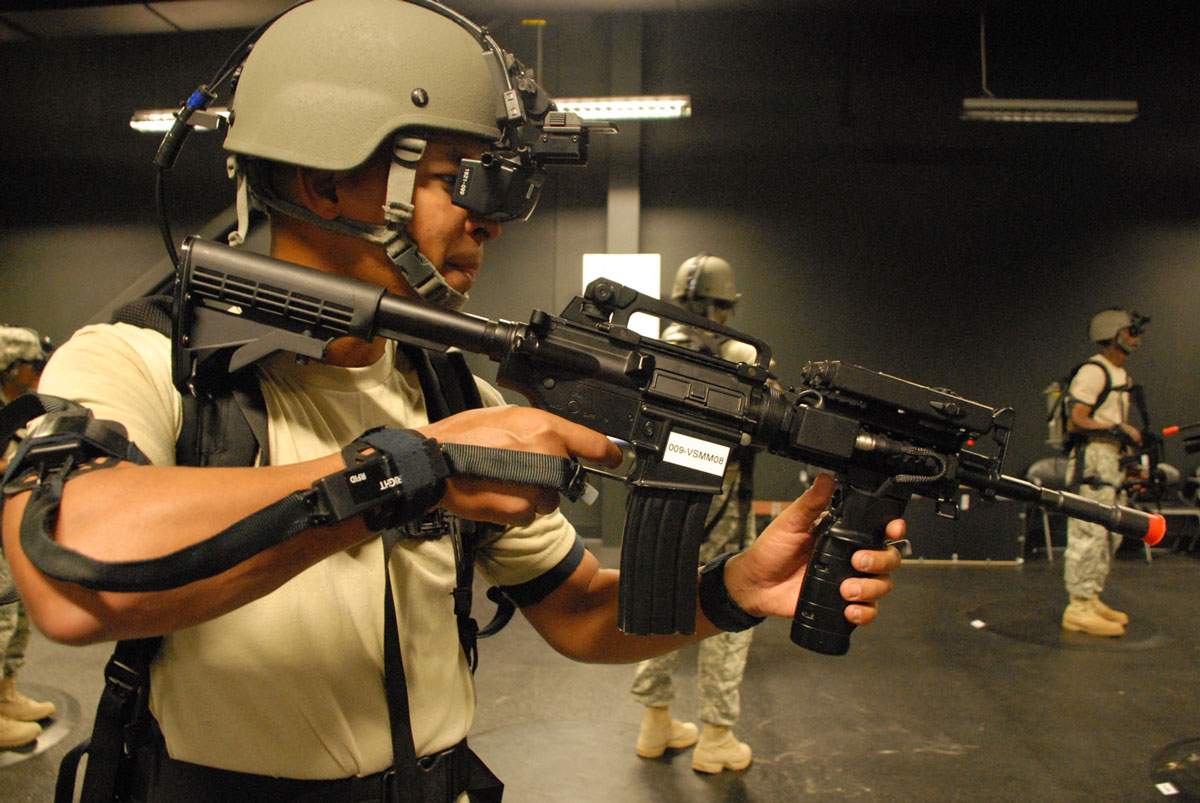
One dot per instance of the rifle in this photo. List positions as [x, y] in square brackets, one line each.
[681, 412]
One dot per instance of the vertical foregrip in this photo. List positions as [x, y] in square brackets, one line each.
[858, 521]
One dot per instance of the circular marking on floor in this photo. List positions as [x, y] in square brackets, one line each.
[1040, 622]
[54, 729]
[1175, 771]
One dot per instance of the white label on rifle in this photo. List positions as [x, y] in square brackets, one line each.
[693, 453]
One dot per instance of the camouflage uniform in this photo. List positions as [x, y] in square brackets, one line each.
[722, 658]
[1090, 546]
[14, 625]
[1096, 471]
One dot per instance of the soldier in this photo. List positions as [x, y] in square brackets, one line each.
[1098, 399]
[23, 353]
[705, 286]
[353, 123]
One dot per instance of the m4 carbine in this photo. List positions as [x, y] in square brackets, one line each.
[680, 411]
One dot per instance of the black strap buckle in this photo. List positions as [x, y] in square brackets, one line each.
[124, 678]
[432, 526]
[387, 788]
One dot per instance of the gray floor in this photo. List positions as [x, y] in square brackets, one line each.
[965, 690]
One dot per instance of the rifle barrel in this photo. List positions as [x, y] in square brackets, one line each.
[1149, 527]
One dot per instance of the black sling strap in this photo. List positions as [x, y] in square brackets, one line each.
[407, 782]
[122, 727]
[448, 388]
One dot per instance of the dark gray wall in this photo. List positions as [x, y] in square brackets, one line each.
[77, 222]
[824, 159]
[872, 226]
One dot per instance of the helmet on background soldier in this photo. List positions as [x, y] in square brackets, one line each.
[1116, 325]
[23, 354]
[1106, 324]
[704, 281]
[20, 344]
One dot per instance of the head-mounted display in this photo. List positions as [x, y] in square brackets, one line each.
[504, 183]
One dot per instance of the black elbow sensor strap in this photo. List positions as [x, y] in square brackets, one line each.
[392, 477]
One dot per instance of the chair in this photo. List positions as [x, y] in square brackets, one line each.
[1172, 498]
[1049, 472]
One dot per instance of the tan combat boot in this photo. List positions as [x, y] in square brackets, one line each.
[14, 733]
[1108, 613]
[660, 730]
[1081, 616]
[15, 705]
[719, 750]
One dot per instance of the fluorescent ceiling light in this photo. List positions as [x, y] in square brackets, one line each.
[161, 120]
[1026, 110]
[990, 108]
[639, 107]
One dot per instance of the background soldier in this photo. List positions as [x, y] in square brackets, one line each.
[704, 285]
[23, 353]
[1098, 400]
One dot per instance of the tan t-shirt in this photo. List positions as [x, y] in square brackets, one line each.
[291, 684]
[1088, 384]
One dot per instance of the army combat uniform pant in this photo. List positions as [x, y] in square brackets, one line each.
[14, 626]
[1090, 547]
[722, 657]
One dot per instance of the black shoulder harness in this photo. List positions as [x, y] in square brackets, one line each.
[225, 424]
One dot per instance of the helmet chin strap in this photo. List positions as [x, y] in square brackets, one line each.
[392, 236]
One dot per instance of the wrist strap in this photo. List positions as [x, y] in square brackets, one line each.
[715, 601]
[403, 477]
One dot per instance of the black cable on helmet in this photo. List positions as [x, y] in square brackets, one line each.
[172, 141]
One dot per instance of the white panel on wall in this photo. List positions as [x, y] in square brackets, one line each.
[639, 271]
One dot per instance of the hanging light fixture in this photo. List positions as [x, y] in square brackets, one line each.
[1040, 110]
[160, 120]
[640, 107]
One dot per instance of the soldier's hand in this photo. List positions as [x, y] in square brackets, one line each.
[520, 428]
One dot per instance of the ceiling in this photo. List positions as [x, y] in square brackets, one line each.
[45, 19]
[894, 71]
